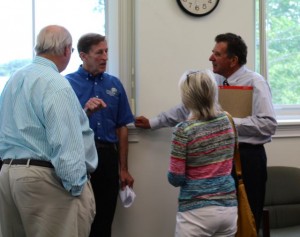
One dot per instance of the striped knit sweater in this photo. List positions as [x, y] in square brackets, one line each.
[201, 163]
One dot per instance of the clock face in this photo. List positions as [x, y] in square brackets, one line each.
[198, 7]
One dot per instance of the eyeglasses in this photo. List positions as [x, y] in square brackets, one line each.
[189, 75]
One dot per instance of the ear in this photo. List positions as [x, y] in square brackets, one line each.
[234, 61]
[67, 51]
[82, 55]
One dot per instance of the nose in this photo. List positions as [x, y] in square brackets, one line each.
[211, 58]
[105, 54]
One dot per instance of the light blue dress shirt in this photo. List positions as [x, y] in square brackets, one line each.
[41, 118]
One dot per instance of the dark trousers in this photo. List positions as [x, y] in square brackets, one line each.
[254, 172]
[105, 183]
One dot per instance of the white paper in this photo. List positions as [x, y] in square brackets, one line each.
[127, 196]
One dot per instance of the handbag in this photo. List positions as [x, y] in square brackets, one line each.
[246, 226]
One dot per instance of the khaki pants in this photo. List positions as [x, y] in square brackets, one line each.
[33, 203]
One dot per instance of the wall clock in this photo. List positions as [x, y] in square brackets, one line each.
[198, 7]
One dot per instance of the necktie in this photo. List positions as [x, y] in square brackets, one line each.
[225, 82]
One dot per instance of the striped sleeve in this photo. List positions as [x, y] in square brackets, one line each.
[65, 138]
[176, 174]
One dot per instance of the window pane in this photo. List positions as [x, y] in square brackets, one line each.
[16, 36]
[283, 45]
[17, 20]
[78, 16]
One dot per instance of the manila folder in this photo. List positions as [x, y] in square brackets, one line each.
[236, 100]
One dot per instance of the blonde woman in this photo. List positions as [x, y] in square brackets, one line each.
[201, 162]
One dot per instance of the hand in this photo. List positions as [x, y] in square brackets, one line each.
[126, 179]
[94, 104]
[142, 122]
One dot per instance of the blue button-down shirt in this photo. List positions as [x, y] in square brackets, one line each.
[108, 88]
[41, 118]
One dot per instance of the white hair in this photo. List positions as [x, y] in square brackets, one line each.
[53, 39]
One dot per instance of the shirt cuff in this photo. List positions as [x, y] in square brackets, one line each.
[75, 190]
[154, 123]
[237, 121]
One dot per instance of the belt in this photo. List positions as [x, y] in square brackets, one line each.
[41, 163]
[248, 145]
[105, 145]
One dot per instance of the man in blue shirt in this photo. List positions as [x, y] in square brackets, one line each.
[91, 83]
[46, 146]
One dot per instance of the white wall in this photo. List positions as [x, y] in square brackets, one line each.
[153, 212]
[167, 43]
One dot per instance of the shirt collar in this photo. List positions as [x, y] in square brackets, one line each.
[237, 74]
[89, 76]
[45, 62]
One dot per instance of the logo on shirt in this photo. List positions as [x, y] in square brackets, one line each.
[112, 92]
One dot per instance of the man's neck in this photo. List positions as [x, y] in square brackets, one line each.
[231, 72]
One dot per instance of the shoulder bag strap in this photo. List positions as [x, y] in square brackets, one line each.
[237, 160]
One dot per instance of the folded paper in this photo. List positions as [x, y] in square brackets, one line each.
[127, 196]
[236, 100]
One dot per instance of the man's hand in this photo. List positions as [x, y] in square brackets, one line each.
[126, 179]
[142, 122]
[94, 104]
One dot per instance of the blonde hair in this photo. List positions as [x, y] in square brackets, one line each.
[199, 93]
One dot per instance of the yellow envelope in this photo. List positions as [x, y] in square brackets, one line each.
[236, 100]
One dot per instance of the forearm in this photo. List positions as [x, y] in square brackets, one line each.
[263, 122]
[123, 148]
[125, 176]
[170, 118]
[256, 126]
[66, 139]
